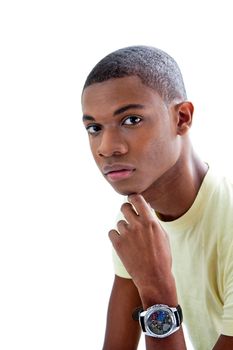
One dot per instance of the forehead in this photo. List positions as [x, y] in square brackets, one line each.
[113, 93]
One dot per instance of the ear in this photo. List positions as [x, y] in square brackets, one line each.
[184, 112]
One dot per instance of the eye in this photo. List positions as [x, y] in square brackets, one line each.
[93, 129]
[132, 120]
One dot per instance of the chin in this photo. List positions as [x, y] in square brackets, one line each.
[127, 191]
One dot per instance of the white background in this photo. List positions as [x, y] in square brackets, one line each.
[56, 210]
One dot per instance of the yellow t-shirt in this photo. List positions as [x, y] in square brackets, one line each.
[202, 254]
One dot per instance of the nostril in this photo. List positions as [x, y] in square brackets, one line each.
[100, 154]
[112, 152]
[111, 143]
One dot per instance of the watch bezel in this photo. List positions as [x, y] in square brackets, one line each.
[156, 308]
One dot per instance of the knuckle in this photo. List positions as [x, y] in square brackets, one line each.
[135, 197]
[122, 224]
[150, 223]
[110, 234]
[153, 224]
[124, 206]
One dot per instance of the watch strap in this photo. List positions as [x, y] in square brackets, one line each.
[142, 323]
[178, 315]
[136, 313]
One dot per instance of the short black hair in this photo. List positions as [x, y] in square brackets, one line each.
[154, 67]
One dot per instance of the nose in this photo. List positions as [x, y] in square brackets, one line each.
[112, 143]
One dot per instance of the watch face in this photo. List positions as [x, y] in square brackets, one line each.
[160, 322]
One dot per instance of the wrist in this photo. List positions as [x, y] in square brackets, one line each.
[159, 293]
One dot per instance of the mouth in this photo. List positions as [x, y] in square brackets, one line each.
[119, 175]
[117, 172]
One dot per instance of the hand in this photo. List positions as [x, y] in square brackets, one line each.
[143, 246]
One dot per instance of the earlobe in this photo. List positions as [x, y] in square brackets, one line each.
[185, 116]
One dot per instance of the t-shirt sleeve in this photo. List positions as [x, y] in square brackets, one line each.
[227, 317]
[118, 266]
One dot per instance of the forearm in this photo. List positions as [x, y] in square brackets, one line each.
[122, 332]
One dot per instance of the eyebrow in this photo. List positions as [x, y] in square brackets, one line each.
[123, 109]
[87, 117]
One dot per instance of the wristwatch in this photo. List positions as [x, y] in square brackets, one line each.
[160, 320]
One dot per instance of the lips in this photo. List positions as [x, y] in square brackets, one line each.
[118, 172]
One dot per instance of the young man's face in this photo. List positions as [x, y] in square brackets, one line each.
[132, 133]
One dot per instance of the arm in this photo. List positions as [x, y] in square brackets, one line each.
[224, 343]
[144, 249]
[122, 332]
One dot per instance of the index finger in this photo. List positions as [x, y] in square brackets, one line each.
[141, 206]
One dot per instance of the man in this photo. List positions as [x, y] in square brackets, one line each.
[174, 241]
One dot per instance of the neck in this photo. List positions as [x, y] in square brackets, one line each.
[174, 193]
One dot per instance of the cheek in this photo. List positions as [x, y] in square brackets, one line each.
[93, 143]
[161, 151]
[93, 148]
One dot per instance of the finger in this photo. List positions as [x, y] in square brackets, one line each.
[114, 236]
[129, 212]
[142, 207]
[122, 226]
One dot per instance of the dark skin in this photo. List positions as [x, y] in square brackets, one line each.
[142, 147]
